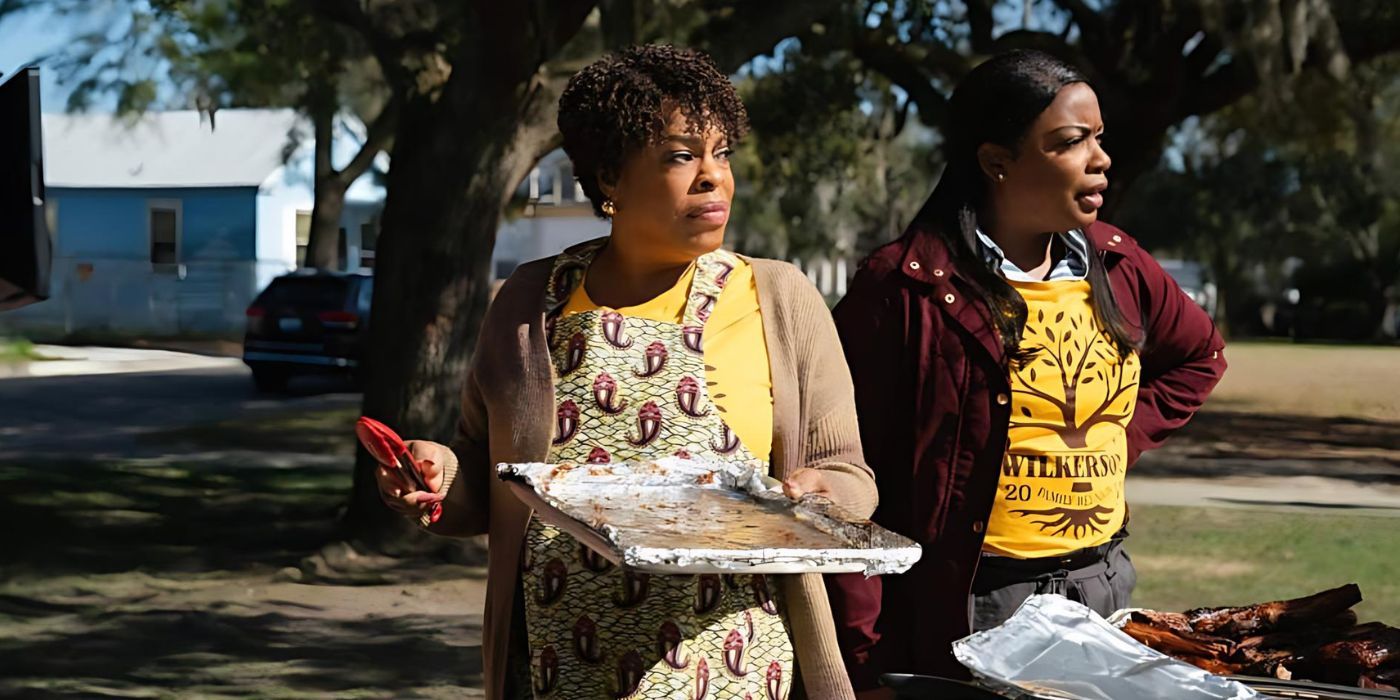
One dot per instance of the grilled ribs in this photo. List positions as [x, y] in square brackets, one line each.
[1314, 638]
[1177, 643]
[1267, 617]
[1371, 649]
[1314, 634]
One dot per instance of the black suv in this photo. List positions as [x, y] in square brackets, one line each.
[305, 323]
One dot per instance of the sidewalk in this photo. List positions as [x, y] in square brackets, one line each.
[68, 361]
[1290, 493]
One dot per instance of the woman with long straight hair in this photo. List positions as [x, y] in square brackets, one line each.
[1012, 357]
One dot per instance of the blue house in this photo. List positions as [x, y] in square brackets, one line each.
[172, 224]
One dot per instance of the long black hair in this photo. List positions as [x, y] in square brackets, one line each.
[996, 103]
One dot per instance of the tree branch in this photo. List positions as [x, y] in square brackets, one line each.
[1220, 89]
[618, 20]
[562, 19]
[1071, 405]
[1203, 56]
[739, 30]
[980, 21]
[1040, 41]
[931, 57]
[1365, 34]
[519, 37]
[1098, 418]
[1368, 29]
[383, 45]
[12, 6]
[1084, 359]
[377, 139]
[1044, 426]
[1091, 23]
[1032, 391]
[894, 62]
[1094, 418]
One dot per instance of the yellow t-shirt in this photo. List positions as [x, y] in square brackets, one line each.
[1061, 486]
[736, 353]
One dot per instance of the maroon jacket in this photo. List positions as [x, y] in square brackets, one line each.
[931, 392]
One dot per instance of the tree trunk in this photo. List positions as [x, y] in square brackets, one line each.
[436, 285]
[1224, 297]
[1230, 287]
[1136, 125]
[324, 245]
[447, 188]
[326, 241]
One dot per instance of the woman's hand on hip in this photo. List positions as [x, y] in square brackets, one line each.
[399, 493]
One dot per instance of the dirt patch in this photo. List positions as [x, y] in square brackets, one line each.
[1312, 380]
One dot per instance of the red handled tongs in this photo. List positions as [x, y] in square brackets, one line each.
[390, 450]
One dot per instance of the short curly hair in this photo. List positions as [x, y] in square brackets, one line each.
[621, 102]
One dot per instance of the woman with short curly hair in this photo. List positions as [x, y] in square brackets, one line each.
[651, 342]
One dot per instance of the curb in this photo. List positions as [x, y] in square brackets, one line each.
[1293, 493]
[78, 361]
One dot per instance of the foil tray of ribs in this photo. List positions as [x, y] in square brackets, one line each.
[683, 516]
[1315, 639]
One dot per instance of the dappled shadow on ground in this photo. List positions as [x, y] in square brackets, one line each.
[212, 652]
[167, 578]
[87, 517]
[1226, 443]
[105, 415]
[1302, 503]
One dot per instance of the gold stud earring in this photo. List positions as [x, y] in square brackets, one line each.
[609, 207]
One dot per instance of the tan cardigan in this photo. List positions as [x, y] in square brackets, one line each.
[508, 416]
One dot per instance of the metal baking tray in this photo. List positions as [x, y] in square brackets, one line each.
[1308, 690]
[680, 516]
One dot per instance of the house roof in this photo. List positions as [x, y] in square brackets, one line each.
[169, 149]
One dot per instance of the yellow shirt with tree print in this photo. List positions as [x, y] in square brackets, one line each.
[1061, 485]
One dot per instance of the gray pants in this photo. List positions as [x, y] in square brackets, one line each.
[1104, 586]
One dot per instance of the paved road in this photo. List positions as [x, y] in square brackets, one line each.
[1290, 493]
[104, 415]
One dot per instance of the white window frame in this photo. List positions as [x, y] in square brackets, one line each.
[177, 206]
[298, 259]
[367, 253]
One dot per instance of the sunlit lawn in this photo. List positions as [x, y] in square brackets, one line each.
[1197, 557]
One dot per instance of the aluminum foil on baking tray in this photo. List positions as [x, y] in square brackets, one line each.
[684, 516]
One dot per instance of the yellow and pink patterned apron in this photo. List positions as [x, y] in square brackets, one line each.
[635, 389]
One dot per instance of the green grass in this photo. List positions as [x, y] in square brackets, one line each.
[1199, 557]
[19, 350]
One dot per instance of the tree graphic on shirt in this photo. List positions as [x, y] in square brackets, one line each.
[1082, 356]
[1065, 520]
[1063, 351]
